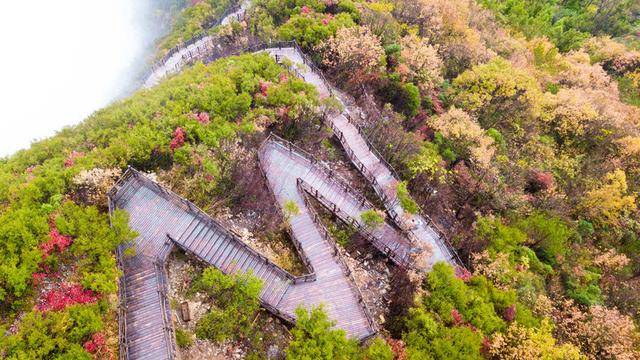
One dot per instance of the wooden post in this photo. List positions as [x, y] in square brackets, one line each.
[185, 312]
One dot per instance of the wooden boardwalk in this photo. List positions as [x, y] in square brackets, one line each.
[164, 220]
[417, 226]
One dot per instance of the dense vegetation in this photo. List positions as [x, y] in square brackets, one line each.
[525, 144]
[53, 222]
[526, 147]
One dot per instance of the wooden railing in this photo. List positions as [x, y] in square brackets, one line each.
[167, 324]
[210, 23]
[187, 205]
[402, 261]
[326, 235]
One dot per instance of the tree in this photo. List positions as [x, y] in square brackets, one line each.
[548, 235]
[519, 342]
[419, 63]
[497, 93]
[378, 349]
[314, 338]
[310, 29]
[427, 161]
[354, 51]
[609, 203]
[600, 332]
[236, 299]
[467, 139]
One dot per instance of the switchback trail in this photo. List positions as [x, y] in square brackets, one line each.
[164, 221]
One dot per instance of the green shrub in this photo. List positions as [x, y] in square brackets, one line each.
[315, 338]
[406, 202]
[54, 335]
[184, 339]
[379, 350]
[236, 299]
[548, 236]
[291, 209]
[371, 218]
[342, 234]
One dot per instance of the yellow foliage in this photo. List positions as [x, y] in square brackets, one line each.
[466, 134]
[530, 343]
[421, 62]
[609, 202]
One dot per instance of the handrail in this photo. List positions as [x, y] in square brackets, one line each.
[343, 264]
[208, 24]
[389, 203]
[187, 205]
[349, 220]
[167, 327]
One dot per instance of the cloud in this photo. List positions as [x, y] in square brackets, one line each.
[62, 60]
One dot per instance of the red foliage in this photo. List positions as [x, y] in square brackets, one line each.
[195, 2]
[283, 113]
[327, 19]
[457, 318]
[37, 278]
[284, 77]
[438, 108]
[56, 241]
[463, 274]
[510, 313]
[179, 136]
[66, 295]
[539, 181]
[203, 118]
[72, 157]
[305, 10]
[97, 346]
[399, 349]
[264, 87]
[486, 346]
[30, 169]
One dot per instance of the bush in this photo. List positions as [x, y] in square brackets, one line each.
[371, 218]
[56, 334]
[379, 350]
[314, 338]
[184, 338]
[406, 202]
[236, 299]
[404, 97]
[548, 236]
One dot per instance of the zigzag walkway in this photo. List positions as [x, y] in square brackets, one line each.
[371, 165]
[164, 220]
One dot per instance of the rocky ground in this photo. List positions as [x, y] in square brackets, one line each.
[372, 275]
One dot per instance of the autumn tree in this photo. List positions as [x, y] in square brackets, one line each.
[467, 139]
[354, 51]
[609, 203]
[519, 342]
[498, 93]
[600, 332]
[462, 30]
[419, 63]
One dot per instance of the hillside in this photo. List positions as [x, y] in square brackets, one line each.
[455, 180]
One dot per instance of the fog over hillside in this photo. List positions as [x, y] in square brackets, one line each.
[63, 60]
